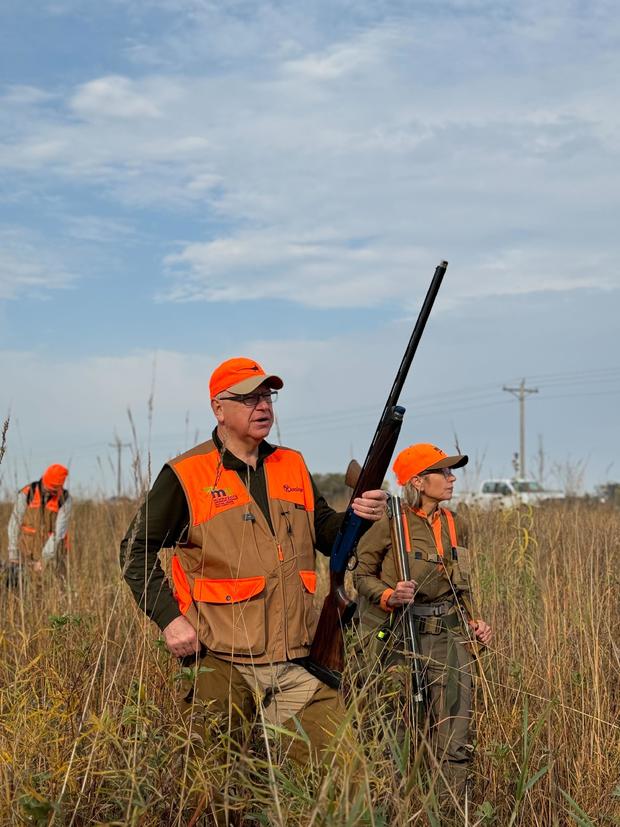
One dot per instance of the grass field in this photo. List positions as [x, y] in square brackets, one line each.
[90, 732]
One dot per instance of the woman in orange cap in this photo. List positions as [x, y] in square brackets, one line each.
[38, 524]
[438, 596]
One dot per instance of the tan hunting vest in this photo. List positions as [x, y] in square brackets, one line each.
[248, 591]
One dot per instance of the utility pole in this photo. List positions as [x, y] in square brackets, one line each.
[541, 461]
[119, 445]
[521, 392]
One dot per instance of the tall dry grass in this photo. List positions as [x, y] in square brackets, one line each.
[90, 732]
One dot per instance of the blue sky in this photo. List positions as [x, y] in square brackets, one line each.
[182, 181]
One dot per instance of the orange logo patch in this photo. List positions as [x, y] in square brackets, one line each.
[221, 496]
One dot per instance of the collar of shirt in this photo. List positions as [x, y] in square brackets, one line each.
[233, 463]
[430, 518]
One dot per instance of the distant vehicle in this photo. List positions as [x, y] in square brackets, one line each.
[505, 493]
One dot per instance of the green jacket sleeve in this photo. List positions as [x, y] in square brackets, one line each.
[160, 523]
[371, 551]
[326, 522]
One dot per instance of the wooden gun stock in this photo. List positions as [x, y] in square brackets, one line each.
[352, 475]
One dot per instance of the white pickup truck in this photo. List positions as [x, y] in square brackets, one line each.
[505, 493]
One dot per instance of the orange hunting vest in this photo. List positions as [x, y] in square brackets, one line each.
[436, 528]
[39, 520]
[247, 590]
[453, 563]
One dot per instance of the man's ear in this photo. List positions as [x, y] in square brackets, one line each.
[218, 410]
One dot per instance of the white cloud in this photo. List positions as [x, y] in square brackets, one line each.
[86, 402]
[26, 270]
[96, 229]
[113, 97]
[25, 95]
[339, 61]
[325, 272]
[338, 165]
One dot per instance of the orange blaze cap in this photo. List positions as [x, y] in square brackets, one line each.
[424, 457]
[54, 476]
[241, 375]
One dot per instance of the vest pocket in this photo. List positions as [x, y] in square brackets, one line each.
[461, 569]
[234, 611]
[308, 578]
[231, 590]
[310, 617]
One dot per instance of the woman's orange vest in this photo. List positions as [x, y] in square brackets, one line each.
[247, 590]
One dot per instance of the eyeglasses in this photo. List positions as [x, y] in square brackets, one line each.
[251, 400]
[447, 472]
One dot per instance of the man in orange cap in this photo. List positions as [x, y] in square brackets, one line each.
[245, 518]
[39, 521]
[439, 598]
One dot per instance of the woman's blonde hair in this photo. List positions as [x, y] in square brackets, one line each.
[411, 495]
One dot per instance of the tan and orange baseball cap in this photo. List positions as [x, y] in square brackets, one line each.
[54, 477]
[424, 457]
[241, 375]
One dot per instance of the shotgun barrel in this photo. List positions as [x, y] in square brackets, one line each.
[399, 547]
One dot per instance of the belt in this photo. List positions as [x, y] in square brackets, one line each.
[431, 609]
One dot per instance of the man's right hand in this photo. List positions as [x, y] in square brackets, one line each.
[181, 638]
[403, 593]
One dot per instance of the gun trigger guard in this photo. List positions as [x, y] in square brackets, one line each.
[353, 561]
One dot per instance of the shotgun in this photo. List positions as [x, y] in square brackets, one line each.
[326, 658]
[401, 550]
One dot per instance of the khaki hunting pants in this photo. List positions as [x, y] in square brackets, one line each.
[280, 694]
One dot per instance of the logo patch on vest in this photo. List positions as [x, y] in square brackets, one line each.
[290, 488]
[221, 496]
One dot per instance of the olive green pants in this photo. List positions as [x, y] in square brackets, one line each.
[447, 669]
[238, 697]
[448, 674]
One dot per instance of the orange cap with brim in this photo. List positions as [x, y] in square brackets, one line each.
[241, 375]
[424, 457]
[54, 476]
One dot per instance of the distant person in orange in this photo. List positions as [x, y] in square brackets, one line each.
[39, 521]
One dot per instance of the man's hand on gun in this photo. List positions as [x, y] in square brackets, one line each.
[371, 505]
[403, 593]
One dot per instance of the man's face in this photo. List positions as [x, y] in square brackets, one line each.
[245, 421]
